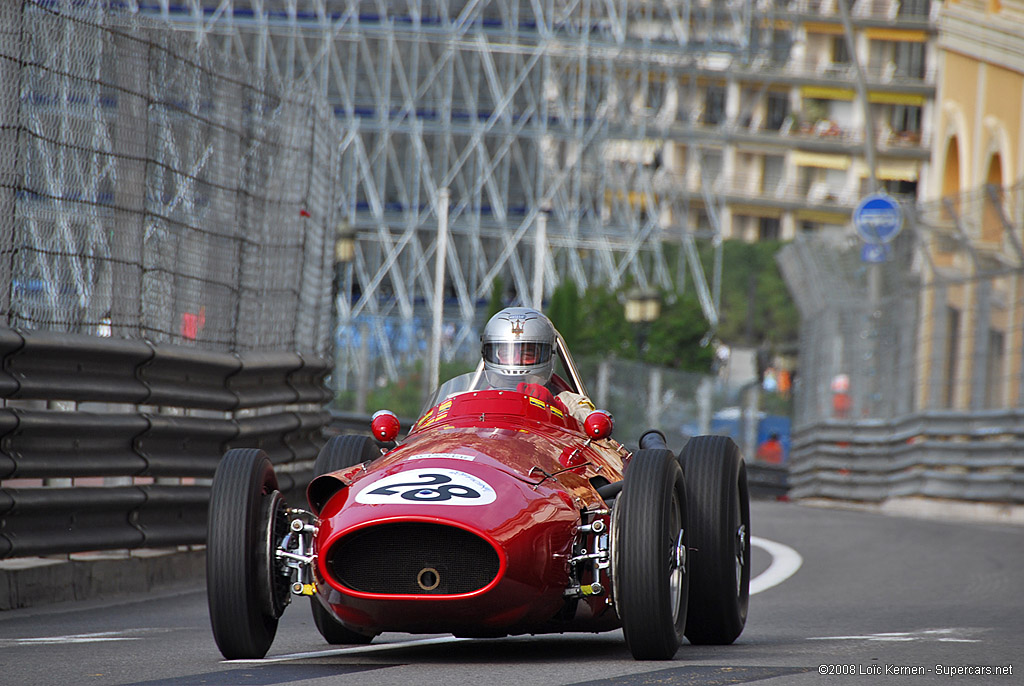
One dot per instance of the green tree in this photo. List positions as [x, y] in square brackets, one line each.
[497, 300]
[675, 337]
[564, 312]
[601, 326]
[755, 304]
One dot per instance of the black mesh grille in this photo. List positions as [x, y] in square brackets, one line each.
[414, 558]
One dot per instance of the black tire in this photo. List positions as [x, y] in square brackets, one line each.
[333, 631]
[242, 584]
[649, 548]
[719, 517]
[340, 452]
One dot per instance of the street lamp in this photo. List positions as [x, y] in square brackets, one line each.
[344, 253]
[642, 308]
[344, 243]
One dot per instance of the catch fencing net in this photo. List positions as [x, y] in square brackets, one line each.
[935, 327]
[154, 187]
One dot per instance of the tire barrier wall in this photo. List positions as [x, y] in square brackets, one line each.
[122, 464]
[977, 456]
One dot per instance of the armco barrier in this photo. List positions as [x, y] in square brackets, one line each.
[139, 461]
[767, 480]
[969, 456]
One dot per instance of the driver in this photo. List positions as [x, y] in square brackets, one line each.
[518, 346]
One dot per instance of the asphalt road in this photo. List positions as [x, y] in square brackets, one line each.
[872, 594]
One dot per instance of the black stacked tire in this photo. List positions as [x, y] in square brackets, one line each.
[340, 452]
[649, 544]
[719, 518]
[244, 490]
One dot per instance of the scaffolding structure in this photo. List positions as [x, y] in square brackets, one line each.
[546, 124]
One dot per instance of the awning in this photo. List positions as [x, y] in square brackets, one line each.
[898, 35]
[878, 97]
[892, 170]
[820, 160]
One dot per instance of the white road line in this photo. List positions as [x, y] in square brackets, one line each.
[940, 635]
[100, 637]
[357, 650]
[785, 563]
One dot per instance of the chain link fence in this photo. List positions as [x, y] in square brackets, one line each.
[153, 187]
[936, 327]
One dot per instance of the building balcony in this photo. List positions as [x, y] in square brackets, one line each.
[863, 13]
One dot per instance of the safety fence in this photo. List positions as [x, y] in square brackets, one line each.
[154, 186]
[976, 456]
[935, 326]
[111, 443]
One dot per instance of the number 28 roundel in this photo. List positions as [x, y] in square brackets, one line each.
[430, 486]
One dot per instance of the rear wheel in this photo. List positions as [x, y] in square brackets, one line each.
[245, 587]
[719, 517]
[649, 548]
[340, 452]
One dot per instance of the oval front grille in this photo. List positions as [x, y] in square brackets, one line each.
[413, 558]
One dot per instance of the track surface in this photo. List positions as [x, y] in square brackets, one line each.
[871, 593]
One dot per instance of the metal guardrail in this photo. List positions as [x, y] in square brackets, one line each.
[271, 401]
[767, 480]
[970, 456]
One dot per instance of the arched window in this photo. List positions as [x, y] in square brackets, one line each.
[992, 215]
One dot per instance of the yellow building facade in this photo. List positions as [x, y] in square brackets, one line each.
[971, 316]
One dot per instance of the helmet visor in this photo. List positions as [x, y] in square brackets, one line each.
[518, 354]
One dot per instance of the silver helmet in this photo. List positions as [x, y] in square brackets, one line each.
[518, 346]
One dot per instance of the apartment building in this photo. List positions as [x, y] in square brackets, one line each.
[781, 142]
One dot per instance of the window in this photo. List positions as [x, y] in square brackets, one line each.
[840, 54]
[778, 109]
[769, 229]
[714, 105]
[897, 187]
[781, 45]
[710, 166]
[910, 60]
[952, 355]
[905, 118]
[915, 8]
[773, 168]
[994, 369]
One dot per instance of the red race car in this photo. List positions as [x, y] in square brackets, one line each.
[498, 514]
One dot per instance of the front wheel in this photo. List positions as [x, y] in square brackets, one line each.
[246, 589]
[719, 517]
[649, 549]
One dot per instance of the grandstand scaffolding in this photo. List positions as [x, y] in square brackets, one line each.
[529, 113]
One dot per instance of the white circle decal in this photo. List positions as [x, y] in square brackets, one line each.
[435, 486]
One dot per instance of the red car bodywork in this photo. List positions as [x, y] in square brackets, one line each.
[535, 475]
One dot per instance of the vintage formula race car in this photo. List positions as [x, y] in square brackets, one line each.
[498, 514]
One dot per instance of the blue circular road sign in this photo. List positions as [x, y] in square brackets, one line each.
[878, 218]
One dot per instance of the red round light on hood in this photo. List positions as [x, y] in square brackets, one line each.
[599, 424]
[385, 426]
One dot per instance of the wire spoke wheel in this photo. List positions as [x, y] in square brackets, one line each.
[241, 573]
[649, 555]
[719, 517]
